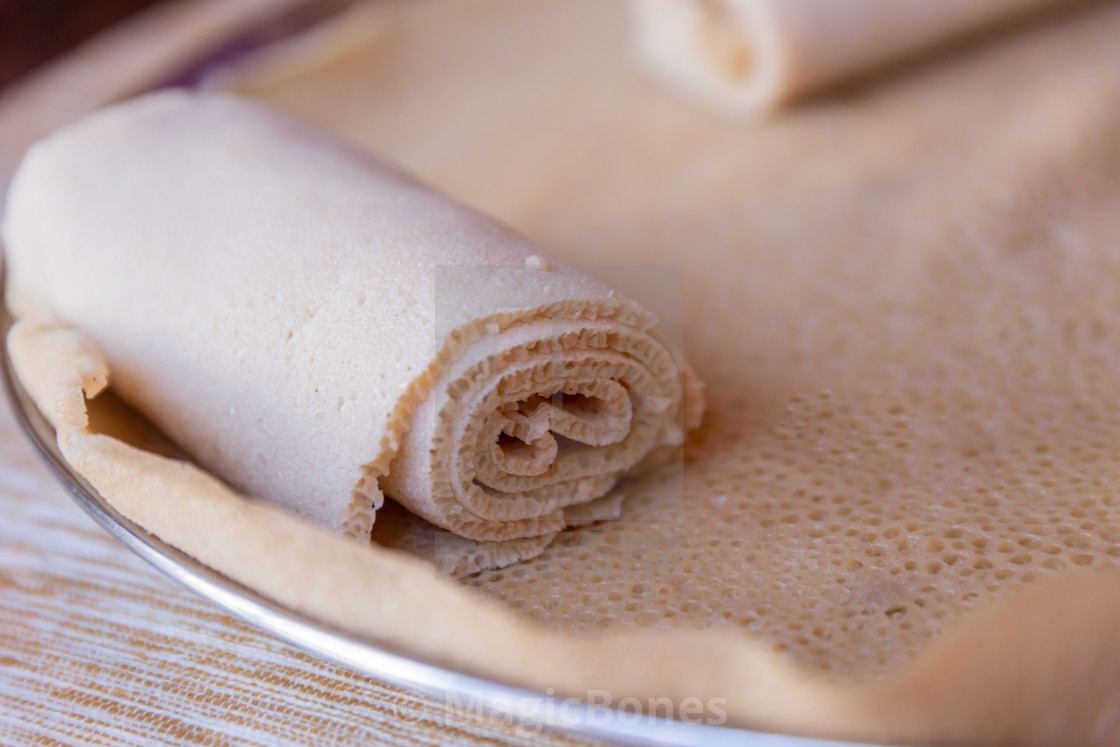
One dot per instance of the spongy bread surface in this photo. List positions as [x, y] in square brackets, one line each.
[902, 302]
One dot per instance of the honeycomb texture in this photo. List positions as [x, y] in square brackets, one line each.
[903, 303]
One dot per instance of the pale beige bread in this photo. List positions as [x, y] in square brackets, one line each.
[313, 326]
[903, 306]
[751, 56]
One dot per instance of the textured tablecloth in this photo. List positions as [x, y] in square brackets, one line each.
[96, 647]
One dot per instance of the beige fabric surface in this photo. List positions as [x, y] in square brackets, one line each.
[750, 56]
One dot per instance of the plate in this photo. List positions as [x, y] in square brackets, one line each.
[529, 710]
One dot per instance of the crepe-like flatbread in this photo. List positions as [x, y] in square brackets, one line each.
[315, 328]
[976, 686]
[899, 521]
[900, 302]
[753, 55]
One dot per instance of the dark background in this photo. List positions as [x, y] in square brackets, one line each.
[34, 31]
